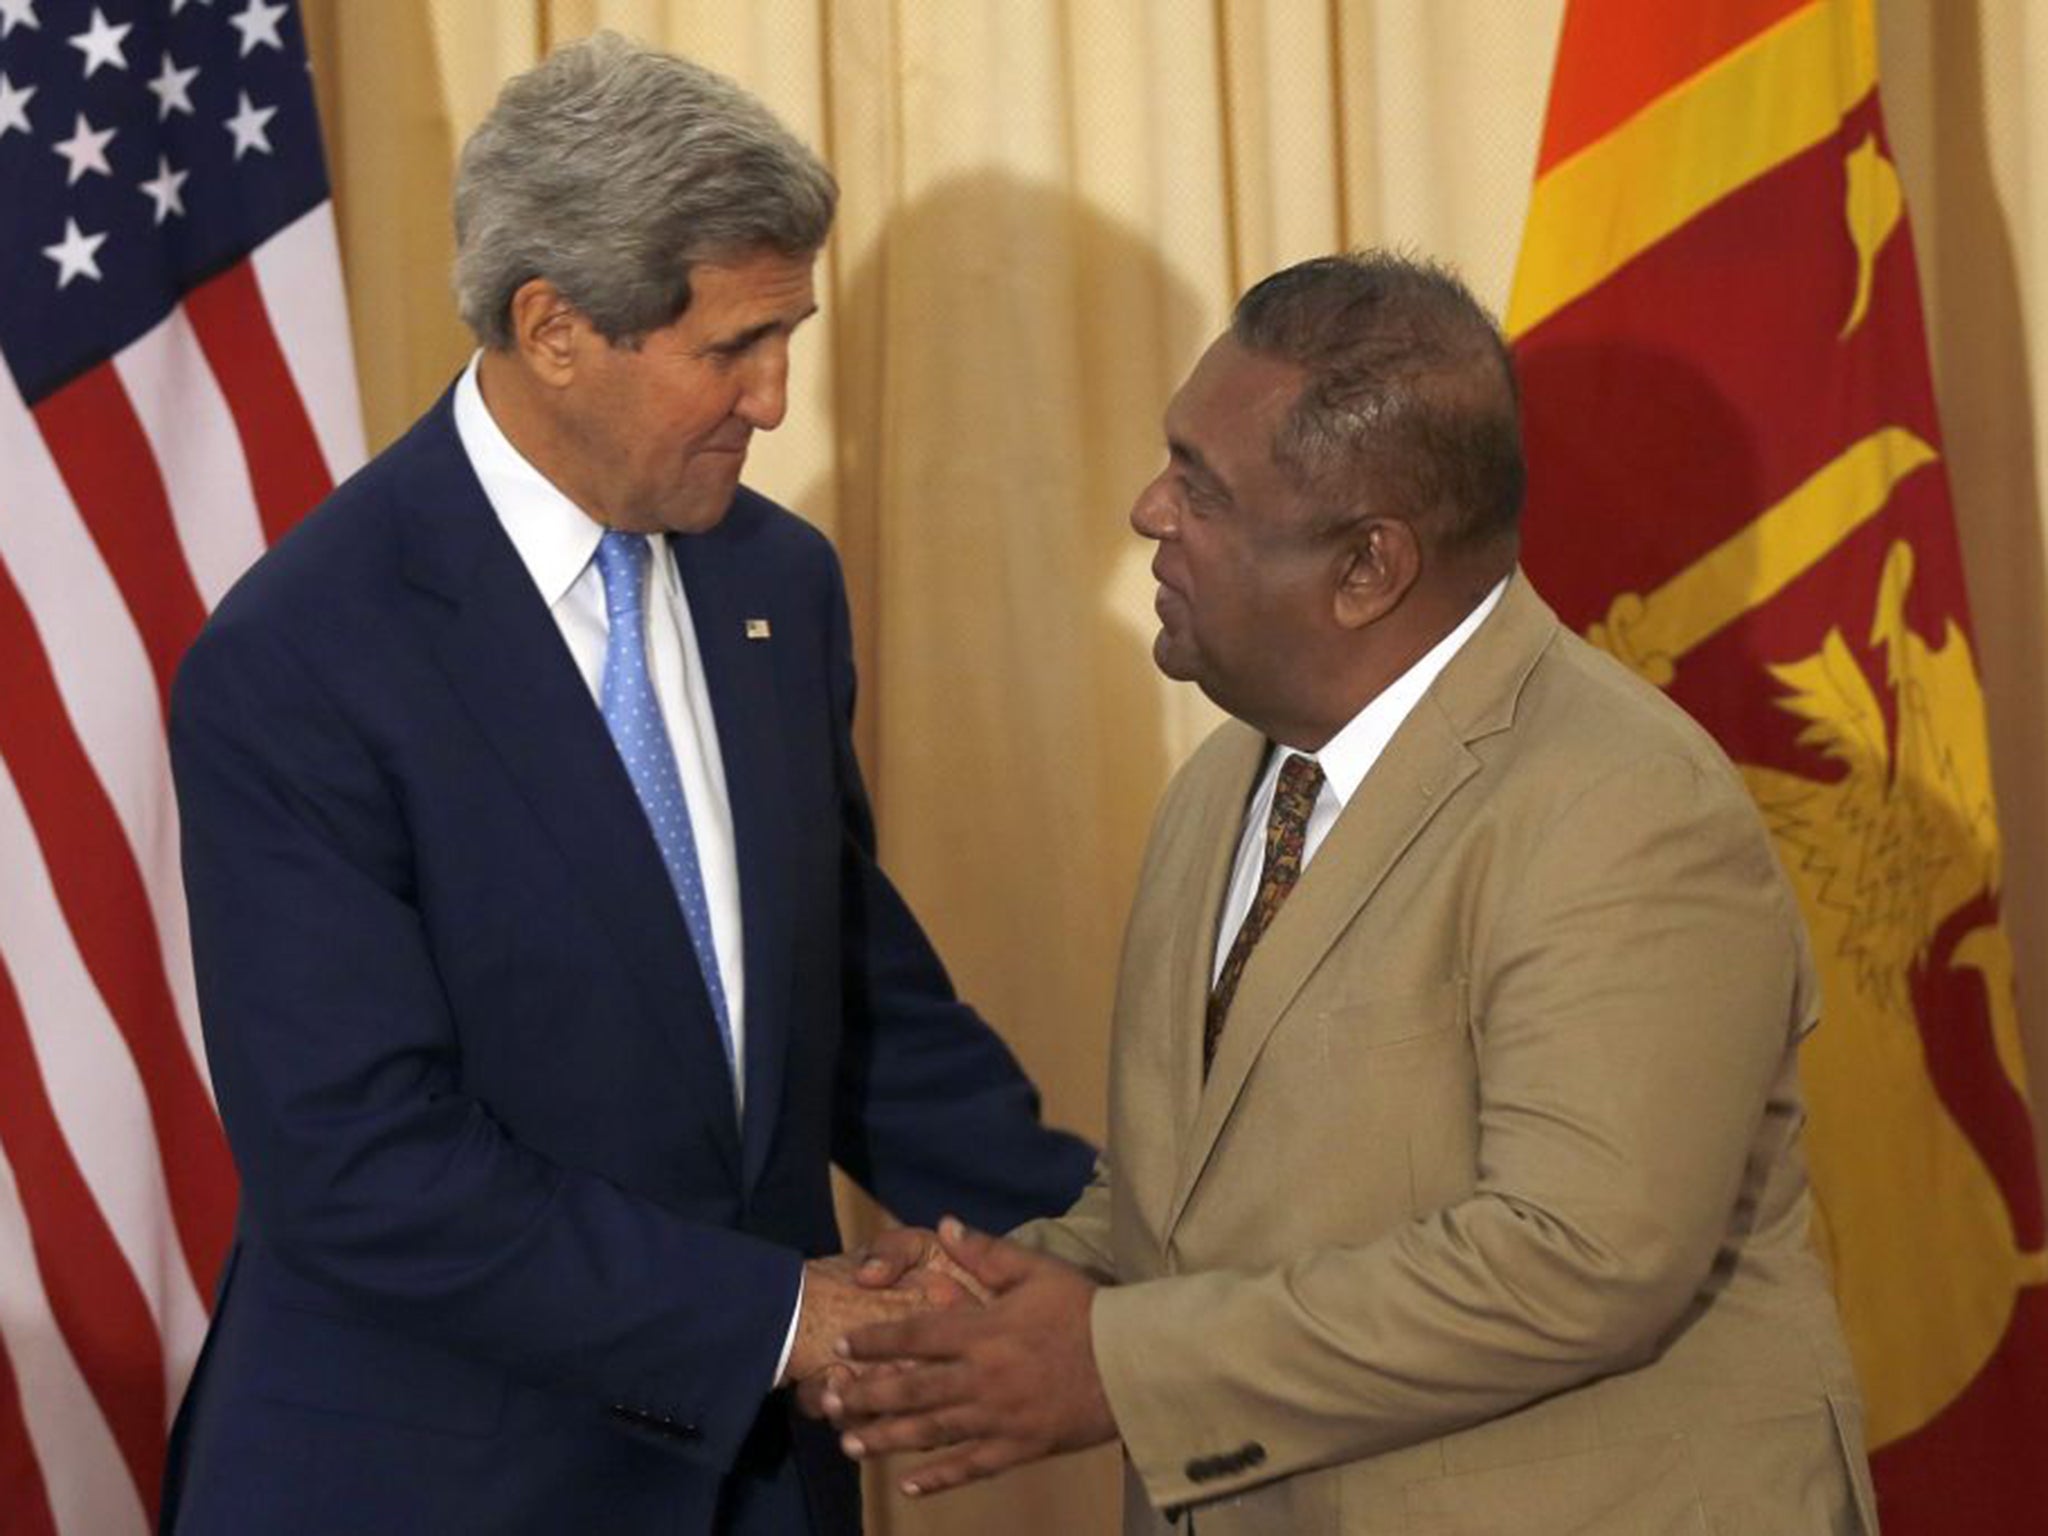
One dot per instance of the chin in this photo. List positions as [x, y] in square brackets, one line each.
[706, 503]
[696, 520]
[699, 514]
[1171, 660]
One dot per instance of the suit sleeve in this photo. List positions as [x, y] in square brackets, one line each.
[364, 1164]
[934, 1116]
[1082, 1236]
[1631, 1017]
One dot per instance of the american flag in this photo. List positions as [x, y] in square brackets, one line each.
[178, 391]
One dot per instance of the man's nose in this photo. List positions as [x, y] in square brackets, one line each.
[765, 399]
[1152, 514]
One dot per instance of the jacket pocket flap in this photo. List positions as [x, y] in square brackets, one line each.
[1390, 1018]
[340, 1365]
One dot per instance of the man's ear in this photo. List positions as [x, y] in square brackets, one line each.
[548, 332]
[1382, 558]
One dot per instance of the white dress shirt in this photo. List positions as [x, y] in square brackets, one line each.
[1345, 759]
[557, 541]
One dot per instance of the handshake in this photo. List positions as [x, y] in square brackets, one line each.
[949, 1340]
[900, 1273]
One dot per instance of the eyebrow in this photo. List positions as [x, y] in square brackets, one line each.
[761, 332]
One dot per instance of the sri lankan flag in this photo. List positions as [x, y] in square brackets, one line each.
[1737, 488]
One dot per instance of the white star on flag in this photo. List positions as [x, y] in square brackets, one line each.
[173, 88]
[101, 43]
[14, 106]
[257, 23]
[18, 13]
[179, 5]
[85, 150]
[75, 254]
[163, 190]
[249, 126]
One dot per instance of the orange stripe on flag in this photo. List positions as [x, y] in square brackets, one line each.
[1615, 57]
[1756, 108]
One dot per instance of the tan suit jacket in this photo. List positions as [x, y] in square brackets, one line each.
[1491, 1216]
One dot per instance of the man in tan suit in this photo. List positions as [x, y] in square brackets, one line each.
[1454, 1180]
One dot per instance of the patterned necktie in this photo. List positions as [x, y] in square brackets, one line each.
[1301, 780]
[634, 718]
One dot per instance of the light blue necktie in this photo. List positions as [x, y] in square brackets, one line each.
[634, 717]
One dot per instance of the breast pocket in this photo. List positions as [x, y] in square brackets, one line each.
[1395, 1018]
[1395, 1078]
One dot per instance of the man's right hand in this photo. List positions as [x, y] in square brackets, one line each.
[900, 1271]
[915, 1255]
[845, 1292]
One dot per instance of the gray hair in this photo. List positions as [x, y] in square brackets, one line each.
[611, 169]
[1410, 404]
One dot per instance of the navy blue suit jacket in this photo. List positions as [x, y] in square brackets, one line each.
[507, 1258]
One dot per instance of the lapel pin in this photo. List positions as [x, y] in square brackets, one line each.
[757, 629]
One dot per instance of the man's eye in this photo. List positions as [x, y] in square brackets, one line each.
[726, 353]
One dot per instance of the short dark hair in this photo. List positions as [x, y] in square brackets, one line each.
[1410, 392]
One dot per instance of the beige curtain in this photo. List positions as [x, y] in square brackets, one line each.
[1048, 208]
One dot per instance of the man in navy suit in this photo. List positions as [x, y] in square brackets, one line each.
[544, 961]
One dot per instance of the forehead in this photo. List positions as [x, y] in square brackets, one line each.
[1233, 402]
[758, 282]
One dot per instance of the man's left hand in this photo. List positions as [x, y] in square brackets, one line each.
[995, 1388]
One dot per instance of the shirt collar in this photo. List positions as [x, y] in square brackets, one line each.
[554, 537]
[1348, 756]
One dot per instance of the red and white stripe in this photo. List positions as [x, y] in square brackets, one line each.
[134, 497]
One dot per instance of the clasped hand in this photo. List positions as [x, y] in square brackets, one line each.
[994, 1385]
[900, 1273]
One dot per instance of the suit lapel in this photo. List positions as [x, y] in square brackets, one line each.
[726, 589]
[1423, 767]
[1420, 770]
[1216, 808]
[504, 657]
